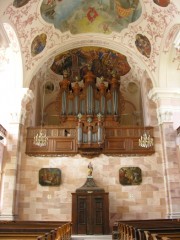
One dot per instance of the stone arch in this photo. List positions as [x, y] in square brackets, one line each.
[11, 70]
[96, 41]
[12, 56]
[169, 58]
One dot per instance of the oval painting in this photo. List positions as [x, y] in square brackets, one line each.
[143, 45]
[20, 3]
[162, 3]
[38, 44]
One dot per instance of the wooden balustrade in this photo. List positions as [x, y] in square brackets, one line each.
[63, 141]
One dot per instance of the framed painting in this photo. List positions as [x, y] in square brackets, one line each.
[130, 176]
[49, 176]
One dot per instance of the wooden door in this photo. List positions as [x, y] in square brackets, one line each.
[82, 213]
[97, 214]
[90, 213]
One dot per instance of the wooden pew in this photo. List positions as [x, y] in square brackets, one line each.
[31, 230]
[163, 236]
[18, 236]
[61, 233]
[137, 229]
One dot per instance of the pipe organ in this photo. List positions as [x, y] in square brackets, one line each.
[89, 121]
[91, 104]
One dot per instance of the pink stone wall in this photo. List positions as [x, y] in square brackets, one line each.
[147, 200]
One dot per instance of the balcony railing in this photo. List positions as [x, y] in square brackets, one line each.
[63, 141]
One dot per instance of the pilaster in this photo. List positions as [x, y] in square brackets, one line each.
[168, 102]
[12, 154]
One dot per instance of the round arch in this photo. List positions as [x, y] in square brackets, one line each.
[169, 60]
[136, 62]
[11, 70]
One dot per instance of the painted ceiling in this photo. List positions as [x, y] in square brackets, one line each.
[131, 38]
[104, 63]
[102, 16]
[140, 30]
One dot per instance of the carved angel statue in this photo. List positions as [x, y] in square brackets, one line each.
[90, 169]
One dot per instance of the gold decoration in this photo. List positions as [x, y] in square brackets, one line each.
[146, 141]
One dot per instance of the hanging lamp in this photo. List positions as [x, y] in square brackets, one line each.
[145, 140]
[41, 139]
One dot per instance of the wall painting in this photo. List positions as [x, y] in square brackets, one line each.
[49, 176]
[130, 176]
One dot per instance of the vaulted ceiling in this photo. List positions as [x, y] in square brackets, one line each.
[130, 37]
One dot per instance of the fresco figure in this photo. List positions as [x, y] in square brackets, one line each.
[102, 60]
[143, 45]
[38, 44]
[20, 3]
[80, 16]
[162, 3]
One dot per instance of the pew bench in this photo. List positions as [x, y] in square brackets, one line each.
[19, 236]
[31, 230]
[139, 229]
[164, 236]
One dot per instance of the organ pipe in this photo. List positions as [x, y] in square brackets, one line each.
[89, 100]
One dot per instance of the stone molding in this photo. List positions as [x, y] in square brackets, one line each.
[164, 108]
[159, 93]
[164, 115]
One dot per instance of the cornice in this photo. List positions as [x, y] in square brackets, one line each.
[159, 93]
[164, 115]
[164, 108]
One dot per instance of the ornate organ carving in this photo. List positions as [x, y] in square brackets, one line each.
[91, 104]
[89, 115]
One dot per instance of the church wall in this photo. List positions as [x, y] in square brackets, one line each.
[143, 201]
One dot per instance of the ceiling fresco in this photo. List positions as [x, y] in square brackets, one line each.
[83, 16]
[143, 45]
[162, 3]
[104, 62]
[38, 44]
[20, 3]
[144, 37]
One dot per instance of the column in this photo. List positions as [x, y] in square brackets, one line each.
[168, 113]
[12, 153]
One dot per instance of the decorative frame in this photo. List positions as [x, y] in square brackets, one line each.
[130, 176]
[49, 176]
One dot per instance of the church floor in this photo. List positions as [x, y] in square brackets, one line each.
[91, 237]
